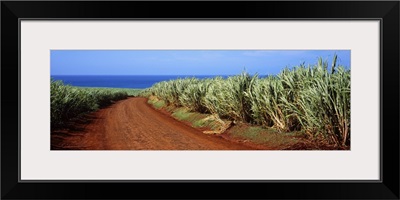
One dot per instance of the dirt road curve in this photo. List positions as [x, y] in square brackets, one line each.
[132, 124]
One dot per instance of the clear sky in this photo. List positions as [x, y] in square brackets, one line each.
[185, 62]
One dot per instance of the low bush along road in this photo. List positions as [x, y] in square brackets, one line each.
[132, 124]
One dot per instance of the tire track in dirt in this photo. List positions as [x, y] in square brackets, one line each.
[132, 124]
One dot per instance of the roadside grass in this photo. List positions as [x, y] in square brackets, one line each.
[264, 136]
[269, 137]
[128, 91]
[209, 123]
[182, 114]
[158, 104]
[195, 119]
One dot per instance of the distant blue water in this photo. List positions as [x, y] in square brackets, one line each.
[138, 82]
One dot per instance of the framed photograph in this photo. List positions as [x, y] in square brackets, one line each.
[289, 96]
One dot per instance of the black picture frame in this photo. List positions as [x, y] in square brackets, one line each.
[386, 11]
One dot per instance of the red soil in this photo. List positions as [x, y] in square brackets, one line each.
[132, 124]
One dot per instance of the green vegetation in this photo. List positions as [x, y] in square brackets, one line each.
[157, 103]
[68, 102]
[195, 119]
[265, 136]
[182, 114]
[310, 99]
[129, 92]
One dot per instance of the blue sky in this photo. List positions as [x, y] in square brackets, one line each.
[185, 62]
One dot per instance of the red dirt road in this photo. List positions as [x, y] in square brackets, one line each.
[132, 124]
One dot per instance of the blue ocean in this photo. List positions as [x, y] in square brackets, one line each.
[131, 81]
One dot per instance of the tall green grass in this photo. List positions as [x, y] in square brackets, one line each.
[312, 99]
[68, 102]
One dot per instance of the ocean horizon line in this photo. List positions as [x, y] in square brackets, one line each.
[125, 81]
